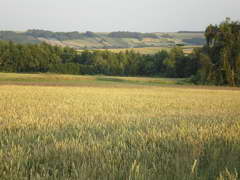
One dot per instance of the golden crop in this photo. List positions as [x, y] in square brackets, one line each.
[132, 132]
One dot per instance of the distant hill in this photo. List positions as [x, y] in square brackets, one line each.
[17, 37]
[112, 40]
[190, 31]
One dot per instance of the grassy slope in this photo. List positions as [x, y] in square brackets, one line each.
[104, 41]
[78, 80]
[116, 131]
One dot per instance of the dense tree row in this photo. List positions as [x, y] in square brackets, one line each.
[136, 35]
[61, 36]
[46, 58]
[76, 35]
[32, 35]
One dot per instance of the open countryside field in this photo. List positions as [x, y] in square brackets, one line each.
[99, 127]
[85, 80]
[148, 50]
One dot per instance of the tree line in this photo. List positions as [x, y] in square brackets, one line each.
[46, 58]
[218, 62]
[61, 36]
[136, 35]
[32, 35]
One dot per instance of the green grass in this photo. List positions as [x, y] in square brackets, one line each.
[78, 80]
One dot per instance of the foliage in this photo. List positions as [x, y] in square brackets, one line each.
[61, 36]
[136, 35]
[220, 57]
[46, 58]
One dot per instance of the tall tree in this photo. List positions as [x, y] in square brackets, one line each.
[221, 62]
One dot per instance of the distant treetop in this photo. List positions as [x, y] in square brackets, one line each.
[136, 35]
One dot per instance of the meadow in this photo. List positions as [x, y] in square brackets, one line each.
[98, 127]
[147, 50]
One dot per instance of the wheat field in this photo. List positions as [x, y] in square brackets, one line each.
[124, 132]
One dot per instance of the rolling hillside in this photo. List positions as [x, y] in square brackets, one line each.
[113, 40]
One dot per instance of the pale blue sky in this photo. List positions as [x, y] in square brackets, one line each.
[115, 15]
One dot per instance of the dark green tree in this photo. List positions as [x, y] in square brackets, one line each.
[220, 59]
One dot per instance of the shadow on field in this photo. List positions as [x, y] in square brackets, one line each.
[134, 82]
[112, 80]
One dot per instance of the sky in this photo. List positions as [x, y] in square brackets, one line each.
[115, 15]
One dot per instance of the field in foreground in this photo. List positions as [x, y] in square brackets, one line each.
[124, 131]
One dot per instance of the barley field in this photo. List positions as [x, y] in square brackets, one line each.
[129, 131]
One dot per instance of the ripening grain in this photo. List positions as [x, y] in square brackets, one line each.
[119, 133]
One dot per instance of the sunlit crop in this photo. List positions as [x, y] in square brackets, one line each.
[125, 132]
